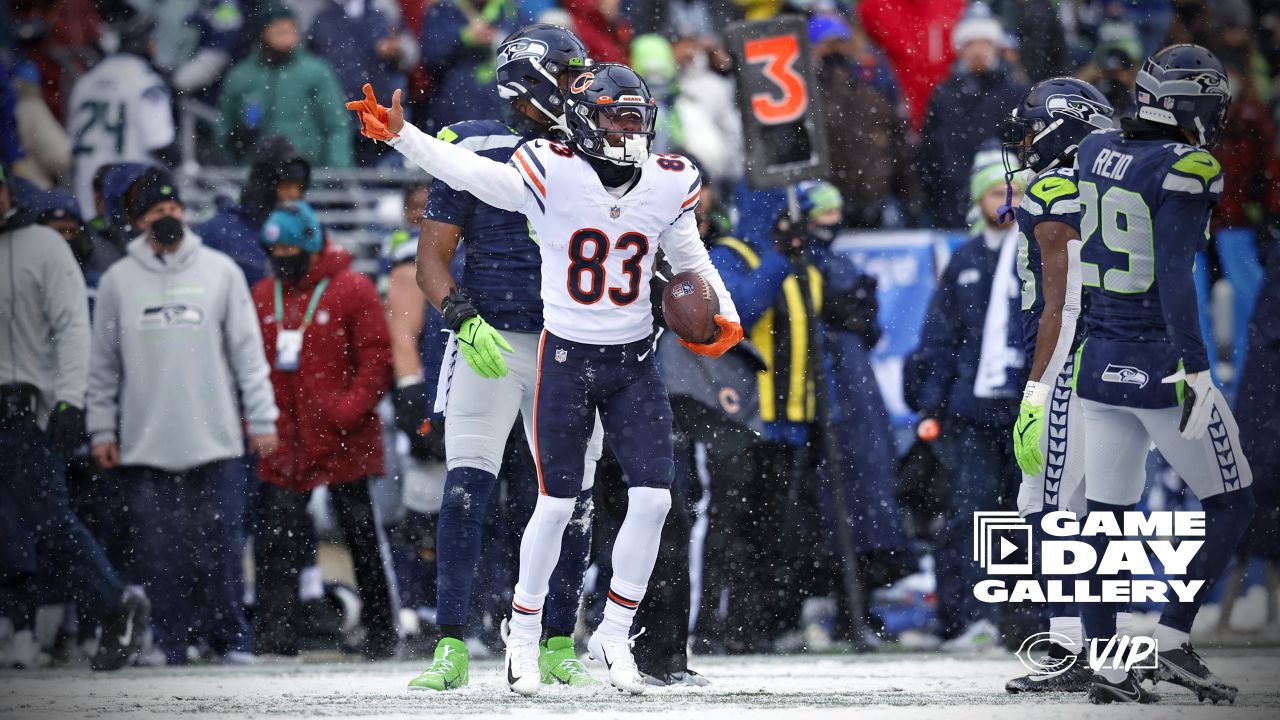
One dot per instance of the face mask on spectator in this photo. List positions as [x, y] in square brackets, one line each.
[167, 231]
[290, 268]
[826, 233]
[274, 57]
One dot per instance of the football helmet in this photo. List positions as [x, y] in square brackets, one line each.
[611, 114]
[1057, 113]
[1185, 86]
[536, 63]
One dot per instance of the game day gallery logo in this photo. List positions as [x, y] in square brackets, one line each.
[1143, 561]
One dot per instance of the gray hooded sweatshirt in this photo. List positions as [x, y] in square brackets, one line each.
[44, 317]
[176, 354]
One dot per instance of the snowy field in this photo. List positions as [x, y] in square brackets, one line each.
[888, 685]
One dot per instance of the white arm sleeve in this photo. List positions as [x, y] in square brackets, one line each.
[1070, 315]
[685, 251]
[493, 183]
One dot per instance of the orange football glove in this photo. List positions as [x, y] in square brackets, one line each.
[373, 117]
[369, 105]
[730, 334]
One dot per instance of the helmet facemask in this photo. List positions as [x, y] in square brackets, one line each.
[620, 132]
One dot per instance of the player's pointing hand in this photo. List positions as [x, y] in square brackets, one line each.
[376, 121]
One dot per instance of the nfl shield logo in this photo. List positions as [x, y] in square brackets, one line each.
[614, 212]
[562, 355]
[1168, 103]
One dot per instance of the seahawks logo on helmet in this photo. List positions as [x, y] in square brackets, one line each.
[522, 49]
[1212, 84]
[1080, 108]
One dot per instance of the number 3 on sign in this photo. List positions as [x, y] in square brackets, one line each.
[779, 55]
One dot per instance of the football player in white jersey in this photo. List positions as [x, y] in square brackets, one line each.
[120, 110]
[600, 208]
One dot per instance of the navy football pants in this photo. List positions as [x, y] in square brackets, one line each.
[623, 383]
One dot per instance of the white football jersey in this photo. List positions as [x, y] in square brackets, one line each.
[119, 112]
[598, 251]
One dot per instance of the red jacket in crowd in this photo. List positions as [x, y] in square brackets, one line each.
[329, 429]
[608, 39]
[916, 36]
[1249, 163]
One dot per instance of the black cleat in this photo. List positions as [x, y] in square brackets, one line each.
[1102, 691]
[122, 633]
[686, 677]
[1075, 679]
[1185, 667]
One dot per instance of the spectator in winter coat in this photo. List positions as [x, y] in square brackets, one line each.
[965, 380]
[458, 41]
[177, 362]
[330, 355]
[278, 175]
[281, 89]
[964, 111]
[915, 35]
[602, 27]
[870, 158]
[364, 41]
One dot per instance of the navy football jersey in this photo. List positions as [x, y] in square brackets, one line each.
[502, 273]
[1052, 196]
[1145, 207]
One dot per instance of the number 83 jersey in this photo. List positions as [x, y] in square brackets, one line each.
[598, 250]
[1145, 207]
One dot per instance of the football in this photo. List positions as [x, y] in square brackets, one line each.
[690, 306]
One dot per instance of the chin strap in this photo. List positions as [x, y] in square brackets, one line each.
[1005, 211]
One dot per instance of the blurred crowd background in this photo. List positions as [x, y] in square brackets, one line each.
[810, 512]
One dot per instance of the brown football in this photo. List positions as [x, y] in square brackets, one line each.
[690, 306]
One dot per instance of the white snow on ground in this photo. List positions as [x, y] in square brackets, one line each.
[888, 685]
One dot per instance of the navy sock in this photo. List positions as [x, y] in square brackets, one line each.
[1100, 617]
[1226, 517]
[565, 587]
[462, 515]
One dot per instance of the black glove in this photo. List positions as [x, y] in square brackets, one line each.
[856, 310]
[428, 446]
[790, 238]
[66, 427]
[411, 407]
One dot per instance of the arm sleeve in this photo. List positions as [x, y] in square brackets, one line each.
[685, 251]
[371, 348]
[493, 183]
[1180, 225]
[753, 290]
[105, 366]
[248, 361]
[67, 307]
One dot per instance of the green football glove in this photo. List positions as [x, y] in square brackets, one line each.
[480, 344]
[1029, 427]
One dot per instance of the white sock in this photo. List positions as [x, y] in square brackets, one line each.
[634, 552]
[539, 553]
[1072, 629]
[1169, 639]
[1124, 624]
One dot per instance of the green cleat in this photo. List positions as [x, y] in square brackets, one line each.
[448, 670]
[559, 664]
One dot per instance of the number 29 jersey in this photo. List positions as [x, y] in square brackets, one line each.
[598, 250]
[1145, 207]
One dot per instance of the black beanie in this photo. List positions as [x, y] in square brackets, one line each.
[154, 187]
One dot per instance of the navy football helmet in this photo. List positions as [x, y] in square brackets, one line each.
[612, 114]
[1057, 114]
[536, 63]
[1185, 86]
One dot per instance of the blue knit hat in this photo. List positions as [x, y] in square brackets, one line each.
[294, 224]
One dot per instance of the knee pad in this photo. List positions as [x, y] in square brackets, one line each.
[467, 490]
[648, 505]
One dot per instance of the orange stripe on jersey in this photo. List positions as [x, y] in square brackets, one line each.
[691, 200]
[529, 173]
[537, 389]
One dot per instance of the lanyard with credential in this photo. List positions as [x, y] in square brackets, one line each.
[289, 342]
